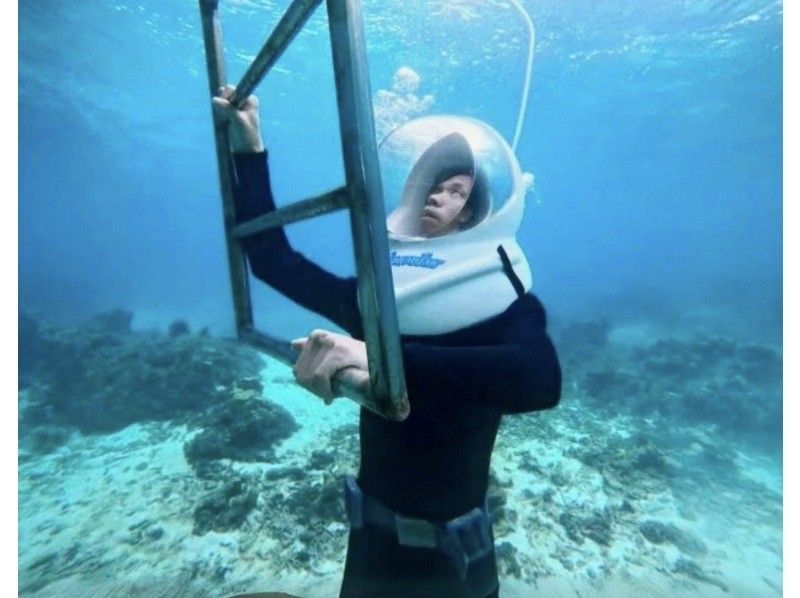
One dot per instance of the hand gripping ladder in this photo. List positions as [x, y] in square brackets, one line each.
[362, 195]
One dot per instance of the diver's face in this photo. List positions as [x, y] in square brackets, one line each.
[444, 211]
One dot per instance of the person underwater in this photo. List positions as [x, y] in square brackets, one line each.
[474, 346]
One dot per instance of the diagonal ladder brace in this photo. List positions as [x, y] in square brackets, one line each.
[362, 195]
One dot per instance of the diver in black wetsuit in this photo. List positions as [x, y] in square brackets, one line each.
[434, 466]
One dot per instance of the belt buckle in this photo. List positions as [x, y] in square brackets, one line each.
[415, 532]
[468, 538]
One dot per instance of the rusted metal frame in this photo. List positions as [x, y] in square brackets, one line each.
[332, 201]
[287, 28]
[278, 348]
[363, 194]
[215, 63]
[282, 351]
[367, 213]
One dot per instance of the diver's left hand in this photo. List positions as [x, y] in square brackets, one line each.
[323, 356]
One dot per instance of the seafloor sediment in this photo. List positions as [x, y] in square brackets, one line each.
[178, 464]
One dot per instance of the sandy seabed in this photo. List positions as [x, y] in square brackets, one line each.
[585, 509]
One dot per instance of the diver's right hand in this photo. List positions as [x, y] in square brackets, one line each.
[325, 356]
[244, 130]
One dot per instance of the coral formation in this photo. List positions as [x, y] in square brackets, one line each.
[226, 508]
[101, 376]
[660, 533]
[696, 380]
[596, 527]
[240, 429]
[178, 328]
[691, 569]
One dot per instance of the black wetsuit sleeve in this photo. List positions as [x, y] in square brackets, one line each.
[518, 375]
[273, 260]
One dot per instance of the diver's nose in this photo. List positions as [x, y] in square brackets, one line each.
[434, 199]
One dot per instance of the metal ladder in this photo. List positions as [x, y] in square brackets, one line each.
[362, 195]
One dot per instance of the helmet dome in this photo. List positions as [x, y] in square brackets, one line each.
[419, 153]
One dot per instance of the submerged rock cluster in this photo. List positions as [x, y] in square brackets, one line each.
[101, 376]
[703, 379]
[657, 532]
[225, 508]
[243, 427]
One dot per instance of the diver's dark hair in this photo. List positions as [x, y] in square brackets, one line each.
[476, 202]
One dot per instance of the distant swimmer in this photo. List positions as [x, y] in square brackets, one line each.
[474, 346]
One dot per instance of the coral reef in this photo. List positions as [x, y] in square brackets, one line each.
[226, 508]
[596, 527]
[178, 328]
[319, 503]
[660, 533]
[241, 429]
[623, 459]
[695, 380]
[101, 376]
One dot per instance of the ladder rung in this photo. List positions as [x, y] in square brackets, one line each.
[332, 201]
[285, 31]
[277, 348]
[283, 352]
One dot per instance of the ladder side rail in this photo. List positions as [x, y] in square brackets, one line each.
[215, 63]
[367, 212]
[285, 31]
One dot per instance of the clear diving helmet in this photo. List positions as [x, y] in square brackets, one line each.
[444, 283]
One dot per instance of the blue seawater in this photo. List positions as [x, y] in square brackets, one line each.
[654, 132]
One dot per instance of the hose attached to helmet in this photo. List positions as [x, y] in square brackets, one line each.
[524, 103]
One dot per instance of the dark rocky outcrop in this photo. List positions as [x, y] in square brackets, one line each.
[596, 527]
[226, 508]
[240, 429]
[101, 377]
[704, 379]
[178, 328]
[657, 532]
[507, 561]
[692, 570]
